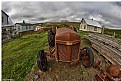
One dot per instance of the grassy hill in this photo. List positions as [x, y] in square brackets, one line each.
[111, 32]
[61, 24]
[19, 55]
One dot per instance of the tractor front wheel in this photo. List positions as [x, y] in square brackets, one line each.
[87, 57]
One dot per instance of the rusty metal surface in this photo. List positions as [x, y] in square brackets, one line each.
[96, 64]
[75, 52]
[62, 52]
[103, 75]
[85, 57]
[119, 75]
[66, 34]
[67, 45]
[54, 29]
[112, 73]
[98, 78]
[113, 70]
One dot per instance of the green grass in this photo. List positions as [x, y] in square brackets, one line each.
[81, 33]
[81, 71]
[19, 55]
[84, 41]
[111, 32]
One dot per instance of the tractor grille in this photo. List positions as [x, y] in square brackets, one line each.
[62, 52]
[75, 50]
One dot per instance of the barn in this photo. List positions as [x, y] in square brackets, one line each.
[90, 25]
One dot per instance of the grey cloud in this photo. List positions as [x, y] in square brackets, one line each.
[118, 3]
[104, 12]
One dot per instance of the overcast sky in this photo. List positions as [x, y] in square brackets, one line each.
[108, 13]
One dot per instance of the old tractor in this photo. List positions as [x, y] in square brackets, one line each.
[64, 46]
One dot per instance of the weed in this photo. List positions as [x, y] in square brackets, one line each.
[81, 71]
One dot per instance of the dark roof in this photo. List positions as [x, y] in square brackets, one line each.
[4, 13]
[24, 24]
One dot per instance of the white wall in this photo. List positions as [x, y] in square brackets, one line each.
[17, 27]
[20, 28]
[92, 29]
[82, 27]
[99, 30]
[4, 19]
[89, 28]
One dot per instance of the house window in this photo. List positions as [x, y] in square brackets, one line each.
[84, 26]
[14, 27]
[95, 28]
[81, 27]
[18, 27]
[26, 27]
[11, 32]
[29, 27]
[2, 20]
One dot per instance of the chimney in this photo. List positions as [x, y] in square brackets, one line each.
[82, 21]
[23, 21]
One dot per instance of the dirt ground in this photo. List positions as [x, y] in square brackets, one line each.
[65, 72]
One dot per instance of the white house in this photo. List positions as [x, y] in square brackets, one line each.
[38, 26]
[90, 25]
[4, 18]
[24, 27]
[8, 29]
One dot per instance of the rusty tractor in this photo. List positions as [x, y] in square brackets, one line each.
[64, 46]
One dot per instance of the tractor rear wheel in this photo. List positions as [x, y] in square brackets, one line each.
[42, 60]
[51, 38]
[87, 57]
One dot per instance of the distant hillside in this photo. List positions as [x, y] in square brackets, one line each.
[61, 24]
[77, 25]
[111, 32]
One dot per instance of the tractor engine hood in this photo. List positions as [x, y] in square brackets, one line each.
[67, 35]
[67, 45]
